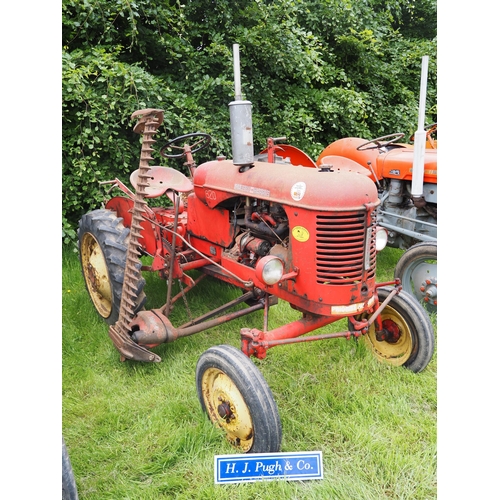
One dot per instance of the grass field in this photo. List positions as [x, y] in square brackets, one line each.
[136, 431]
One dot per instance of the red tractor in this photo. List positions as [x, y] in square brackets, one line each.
[274, 230]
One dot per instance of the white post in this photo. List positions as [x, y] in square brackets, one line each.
[417, 184]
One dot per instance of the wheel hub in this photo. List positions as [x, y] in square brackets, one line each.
[429, 289]
[424, 278]
[225, 412]
[227, 407]
[389, 333]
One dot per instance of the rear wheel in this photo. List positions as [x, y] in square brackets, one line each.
[103, 243]
[417, 270]
[236, 397]
[407, 338]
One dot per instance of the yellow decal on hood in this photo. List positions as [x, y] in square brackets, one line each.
[300, 233]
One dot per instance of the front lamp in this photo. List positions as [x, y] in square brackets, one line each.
[381, 238]
[269, 270]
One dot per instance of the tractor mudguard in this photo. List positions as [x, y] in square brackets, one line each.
[123, 208]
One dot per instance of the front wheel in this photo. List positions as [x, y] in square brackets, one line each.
[236, 397]
[407, 338]
[417, 270]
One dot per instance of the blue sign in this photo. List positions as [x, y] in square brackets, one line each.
[299, 466]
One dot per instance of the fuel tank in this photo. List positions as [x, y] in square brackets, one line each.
[340, 187]
[398, 164]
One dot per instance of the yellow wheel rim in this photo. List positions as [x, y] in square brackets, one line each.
[227, 408]
[96, 275]
[395, 351]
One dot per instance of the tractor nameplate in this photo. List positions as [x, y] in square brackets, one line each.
[352, 308]
[252, 190]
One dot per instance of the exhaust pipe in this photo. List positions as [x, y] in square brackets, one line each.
[240, 115]
[417, 183]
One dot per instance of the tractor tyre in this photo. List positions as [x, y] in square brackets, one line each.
[69, 491]
[410, 341]
[103, 241]
[417, 270]
[236, 397]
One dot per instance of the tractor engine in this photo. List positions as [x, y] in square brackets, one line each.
[261, 226]
[245, 217]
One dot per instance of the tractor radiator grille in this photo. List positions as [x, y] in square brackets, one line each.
[342, 254]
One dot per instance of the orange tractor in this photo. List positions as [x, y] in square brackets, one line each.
[307, 236]
[406, 180]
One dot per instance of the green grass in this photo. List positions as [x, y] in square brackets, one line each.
[136, 431]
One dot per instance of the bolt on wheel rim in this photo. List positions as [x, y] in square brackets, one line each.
[395, 352]
[422, 280]
[96, 275]
[227, 408]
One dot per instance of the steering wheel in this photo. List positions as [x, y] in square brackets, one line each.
[429, 129]
[202, 142]
[378, 144]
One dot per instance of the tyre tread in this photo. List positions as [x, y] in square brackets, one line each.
[112, 236]
[407, 305]
[254, 389]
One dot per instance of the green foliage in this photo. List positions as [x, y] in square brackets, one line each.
[100, 94]
[314, 72]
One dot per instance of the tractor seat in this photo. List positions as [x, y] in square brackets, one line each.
[163, 179]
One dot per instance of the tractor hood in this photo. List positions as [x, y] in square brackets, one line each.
[343, 187]
[398, 164]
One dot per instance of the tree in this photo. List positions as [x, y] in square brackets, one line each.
[314, 71]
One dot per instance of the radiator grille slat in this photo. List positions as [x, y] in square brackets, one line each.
[340, 248]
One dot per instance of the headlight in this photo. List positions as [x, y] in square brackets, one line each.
[380, 238]
[269, 270]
